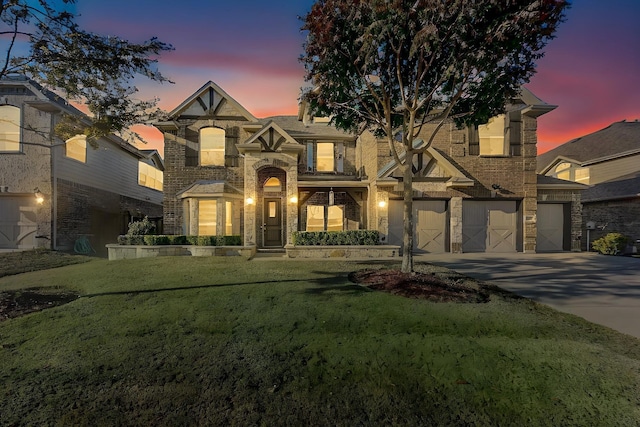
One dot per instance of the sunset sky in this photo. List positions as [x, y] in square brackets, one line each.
[251, 48]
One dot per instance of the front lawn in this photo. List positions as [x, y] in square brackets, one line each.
[225, 341]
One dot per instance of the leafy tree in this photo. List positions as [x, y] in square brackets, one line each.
[392, 66]
[43, 42]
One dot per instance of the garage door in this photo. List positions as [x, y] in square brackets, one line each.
[430, 225]
[489, 226]
[550, 227]
[17, 222]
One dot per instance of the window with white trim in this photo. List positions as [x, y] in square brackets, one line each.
[9, 128]
[212, 146]
[76, 148]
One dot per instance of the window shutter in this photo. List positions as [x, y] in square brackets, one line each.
[310, 157]
[232, 134]
[191, 148]
[474, 141]
[340, 157]
[514, 135]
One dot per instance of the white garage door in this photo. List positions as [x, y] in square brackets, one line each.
[430, 225]
[17, 222]
[489, 226]
[550, 227]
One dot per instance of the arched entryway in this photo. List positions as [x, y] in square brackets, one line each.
[271, 209]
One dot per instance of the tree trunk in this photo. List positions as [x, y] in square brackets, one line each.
[407, 184]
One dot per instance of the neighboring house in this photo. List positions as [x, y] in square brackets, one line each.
[82, 192]
[609, 162]
[228, 172]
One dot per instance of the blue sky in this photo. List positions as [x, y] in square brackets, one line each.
[251, 48]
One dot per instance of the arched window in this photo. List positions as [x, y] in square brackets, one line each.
[212, 144]
[272, 185]
[76, 148]
[9, 128]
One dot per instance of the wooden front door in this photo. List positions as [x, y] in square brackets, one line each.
[272, 228]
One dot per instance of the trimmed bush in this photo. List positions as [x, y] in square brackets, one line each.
[610, 244]
[336, 238]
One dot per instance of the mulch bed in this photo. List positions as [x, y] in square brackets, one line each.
[425, 286]
[18, 303]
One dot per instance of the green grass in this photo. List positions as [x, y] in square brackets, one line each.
[225, 341]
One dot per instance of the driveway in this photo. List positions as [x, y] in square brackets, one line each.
[602, 289]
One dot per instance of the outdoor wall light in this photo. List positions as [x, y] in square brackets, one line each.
[382, 204]
[293, 200]
[250, 200]
[39, 196]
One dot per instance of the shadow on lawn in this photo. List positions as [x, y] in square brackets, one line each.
[325, 284]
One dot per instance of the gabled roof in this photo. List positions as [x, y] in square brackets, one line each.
[456, 178]
[534, 106]
[211, 100]
[270, 138]
[51, 102]
[155, 157]
[624, 187]
[616, 140]
[299, 130]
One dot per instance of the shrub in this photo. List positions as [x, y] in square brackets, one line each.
[611, 244]
[336, 238]
[140, 228]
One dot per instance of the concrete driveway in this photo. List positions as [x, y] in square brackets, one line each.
[602, 289]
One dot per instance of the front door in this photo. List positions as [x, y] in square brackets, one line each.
[272, 234]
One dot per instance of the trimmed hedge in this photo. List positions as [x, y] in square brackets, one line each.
[163, 240]
[336, 238]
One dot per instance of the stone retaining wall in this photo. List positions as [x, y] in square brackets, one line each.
[373, 251]
[117, 252]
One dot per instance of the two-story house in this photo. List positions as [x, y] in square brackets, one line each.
[67, 195]
[608, 161]
[228, 172]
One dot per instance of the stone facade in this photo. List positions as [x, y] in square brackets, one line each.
[363, 178]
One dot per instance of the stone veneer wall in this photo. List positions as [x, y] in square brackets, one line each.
[516, 175]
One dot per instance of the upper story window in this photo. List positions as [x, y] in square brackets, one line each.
[76, 148]
[570, 172]
[325, 157]
[491, 137]
[212, 146]
[150, 176]
[9, 128]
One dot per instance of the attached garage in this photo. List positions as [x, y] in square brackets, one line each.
[490, 226]
[17, 222]
[552, 230]
[431, 225]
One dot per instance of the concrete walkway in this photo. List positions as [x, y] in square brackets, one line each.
[602, 289]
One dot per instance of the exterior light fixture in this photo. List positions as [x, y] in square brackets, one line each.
[382, 203]
[293, 200]
[250, 200]
[331, 197]
[39, 196]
